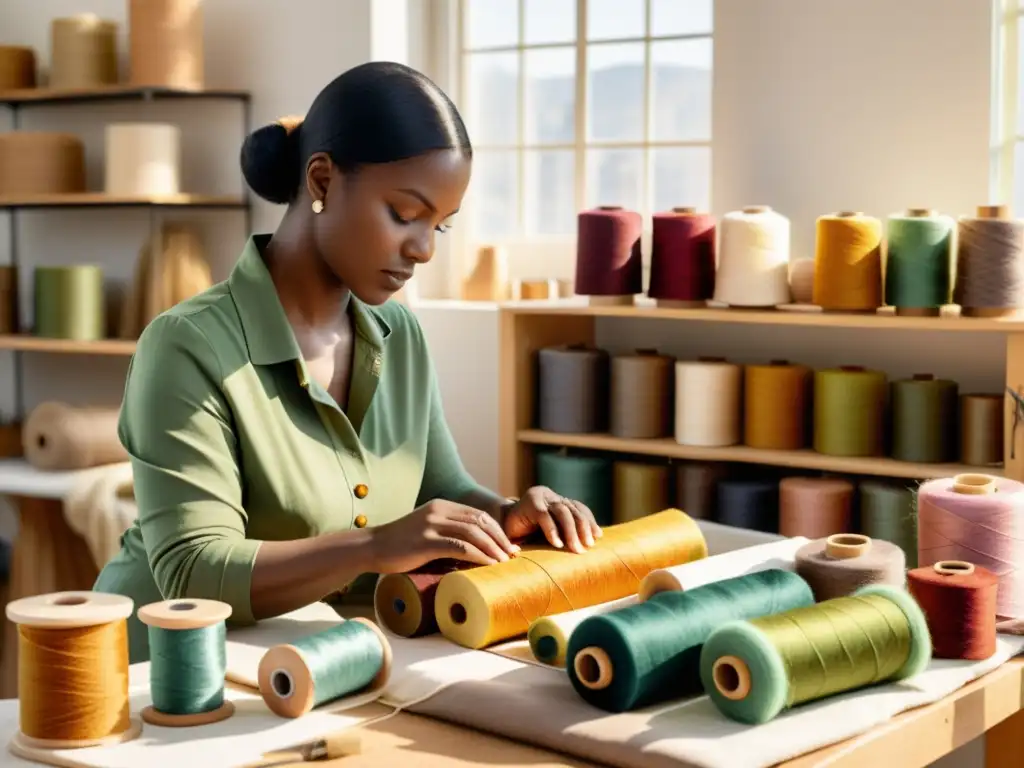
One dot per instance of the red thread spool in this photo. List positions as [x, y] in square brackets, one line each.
[404, 602]
[683, 257]
[608, 257]
[959, 602]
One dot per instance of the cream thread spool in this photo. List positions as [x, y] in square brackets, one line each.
[142, 160]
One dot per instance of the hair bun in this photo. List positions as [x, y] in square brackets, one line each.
[270, 160]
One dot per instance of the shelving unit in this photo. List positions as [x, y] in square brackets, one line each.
[526, 327]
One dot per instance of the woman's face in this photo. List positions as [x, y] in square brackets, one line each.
[378, 224]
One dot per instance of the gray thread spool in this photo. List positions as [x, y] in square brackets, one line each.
[573, 389]
[841, 564]
[990, 264]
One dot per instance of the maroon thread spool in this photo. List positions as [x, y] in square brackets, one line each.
[608, 259]
[683, 258]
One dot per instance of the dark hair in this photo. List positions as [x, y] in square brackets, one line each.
[377, 112]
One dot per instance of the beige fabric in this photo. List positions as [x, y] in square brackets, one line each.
[100, 507]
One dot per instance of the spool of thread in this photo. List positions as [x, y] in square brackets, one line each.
[534, 289]
[70, 303]
[775, 555]
[980, 519]
[61, 437]
[919, 262]
[683, 258]
[573, 389]
[641, 395]
[959, 601]
[981, 430]
[815, 507]
[924, 419]
[188, 661]
[404, 602]
[608, 256]
[755, 669]
[72, 671]
[708, 401]
[352, 657]
[17, 68]
[9, 320]
[849, 411]
[753, 260]
[697, 487]
[990, 264]
[142, 160]
[801, 280]
[41, 163]
[481, 606]
[587, 479]
[750, 503]
[649, 653]
[848, 262]
[83, 52]
[777, 400]
[888, 512]
[165, 43]
[641, 488]
[841, 564]
[549, 636]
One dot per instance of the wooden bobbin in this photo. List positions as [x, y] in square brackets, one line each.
[919, 213]
[286, 678]
[851, 368]
[752, 209]
[953, 568]
[848, 214]
[845, 546]
[69, 610]
[974, 484]
[711, 359]
[175, 616]
[732, 677]
[593, 667]
[657, 582]
[685, 210]
[993, 212]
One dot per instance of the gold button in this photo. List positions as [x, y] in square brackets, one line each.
[361, 491]
[360, 521]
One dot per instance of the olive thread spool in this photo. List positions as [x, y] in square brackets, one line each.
[188, 662]
[72, 672]
[353, 657]
[850, 411]
[959, 600]
[924, 419]
[754, 670]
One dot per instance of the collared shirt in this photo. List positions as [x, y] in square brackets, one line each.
[232, 443]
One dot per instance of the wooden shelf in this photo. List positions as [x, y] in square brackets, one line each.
[100, 200]
[32, 96]
[670, 449]
[26, 343]
[884, 319]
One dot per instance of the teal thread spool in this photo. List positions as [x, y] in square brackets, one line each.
[753, 670]
[188, 661]
[650, 652]
[919, 262]
[349, 658]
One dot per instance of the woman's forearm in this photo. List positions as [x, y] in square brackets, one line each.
[289, 575]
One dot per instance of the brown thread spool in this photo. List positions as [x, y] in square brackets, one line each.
[960, 603]
[17, 67]
[981, 430]
[641, 395]
[841, 564]
[815, 507]
[594, 668]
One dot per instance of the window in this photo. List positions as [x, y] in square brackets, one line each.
[577, 103]
[1008, 113]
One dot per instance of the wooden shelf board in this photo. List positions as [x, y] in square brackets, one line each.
[884, 319]
[99, 200]
[112, 93]
[26, 343]
[670, 449]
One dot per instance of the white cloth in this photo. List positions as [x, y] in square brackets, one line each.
[100, 506]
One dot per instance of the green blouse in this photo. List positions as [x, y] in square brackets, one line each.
[232, 444]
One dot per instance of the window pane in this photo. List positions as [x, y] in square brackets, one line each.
[550, 21]
[1020, 74]
[681, 97]
[550, 95]
[493, 97]
[550, 192]
[494, 193]
[490, 23]
[616, 87]
[615, 177]
[682, 177]
[681, 17]
[615, 19]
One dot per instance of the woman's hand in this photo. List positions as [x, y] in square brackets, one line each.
[563, 521]
[440, 529]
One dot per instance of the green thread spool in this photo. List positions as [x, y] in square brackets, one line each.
[70, 303]
[919, 262]
[753, 670]
[349, 658]
[649, 652]
[585, 478]
[888, 512]
[925, 417]
[849, 411]
[188, 661]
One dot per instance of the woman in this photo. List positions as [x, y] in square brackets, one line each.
[284, 427]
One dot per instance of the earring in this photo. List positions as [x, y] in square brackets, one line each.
[318, 205]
